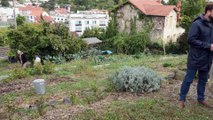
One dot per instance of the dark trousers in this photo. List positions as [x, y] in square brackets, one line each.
[201, 86]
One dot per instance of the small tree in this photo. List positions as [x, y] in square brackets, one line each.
[20, 20]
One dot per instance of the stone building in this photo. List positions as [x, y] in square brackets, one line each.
[162, 17]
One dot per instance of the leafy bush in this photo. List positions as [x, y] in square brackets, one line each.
[154, 48]
[136, 79]
[39, 69]
[44, 39]
[18, 73]
[167, 64]
[180, 47]
[127, 44]
[48, 68]
[55, 59]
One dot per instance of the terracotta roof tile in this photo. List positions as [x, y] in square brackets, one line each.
[61, 10]
[36, 12]
[46, 18]
[152, 7]
[158, 10]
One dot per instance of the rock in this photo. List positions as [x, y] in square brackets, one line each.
[171, 76]
[33, 107]
[66, 101]
[179, 75]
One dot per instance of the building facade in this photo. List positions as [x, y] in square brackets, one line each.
[82, 20]
[34, 13]
[60, 15]
[163, 19]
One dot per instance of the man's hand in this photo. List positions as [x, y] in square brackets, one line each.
[211, 47]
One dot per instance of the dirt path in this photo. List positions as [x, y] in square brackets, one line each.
[70, 113]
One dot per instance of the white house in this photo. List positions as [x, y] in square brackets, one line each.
[60, 15]
[81, 20]
[34, 13]
[7, 13]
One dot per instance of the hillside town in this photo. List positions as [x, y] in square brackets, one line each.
[76, 21]
[80, 20]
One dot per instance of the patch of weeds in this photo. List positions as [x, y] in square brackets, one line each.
[48, 67]
[93, 94]
[87, 115]
[39, 69]
[41, 106]
[29, 113]
[18, 73]
[167, 64]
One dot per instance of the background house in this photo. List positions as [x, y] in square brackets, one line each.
[81, 20]
[7, 16]
[60, 15]
[34, 13]
[163, 17]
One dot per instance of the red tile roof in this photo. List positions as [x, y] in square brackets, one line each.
[152, 7]
[29, 7]
[61, 10]
[36, 12]
[46, 18]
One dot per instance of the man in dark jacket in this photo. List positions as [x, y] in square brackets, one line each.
[200, 40]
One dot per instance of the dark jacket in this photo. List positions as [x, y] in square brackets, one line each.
[200, 38]
[23, 59]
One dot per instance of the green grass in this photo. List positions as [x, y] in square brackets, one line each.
[86, 85]
[147, 109]
[3, 67]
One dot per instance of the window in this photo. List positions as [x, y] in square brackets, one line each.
[78, 29]
[102, 23]
[86, 22]
[58, 19]
[62, 19]
[78, 23]
[93, 22]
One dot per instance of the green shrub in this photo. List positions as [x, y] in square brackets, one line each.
[38, 69]
[154, 48]
[180, 47]
[43, 39]
[167, 64]
[56, 59]
[127, 44]
[48, 68]
[18, 73]
[136, 79]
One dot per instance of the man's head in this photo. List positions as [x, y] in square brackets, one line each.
[209, 11]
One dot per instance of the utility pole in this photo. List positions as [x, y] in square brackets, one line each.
[14, 14]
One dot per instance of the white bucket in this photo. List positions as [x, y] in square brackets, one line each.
[39, 85]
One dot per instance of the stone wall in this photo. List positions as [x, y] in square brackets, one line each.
[125, 14]
[165, 28]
